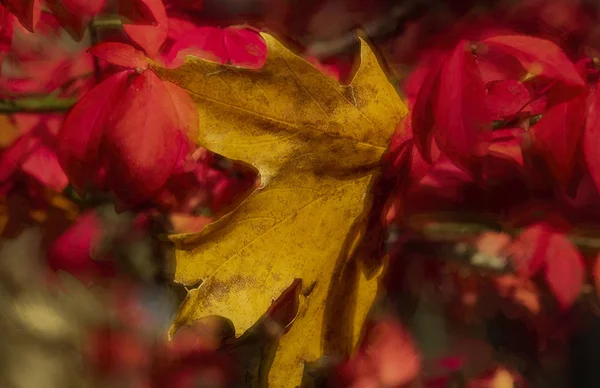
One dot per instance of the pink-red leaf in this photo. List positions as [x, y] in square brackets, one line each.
[404, 160]
[540, 246]
[240, 47]
[120, 54]
[205, 42]
[245, 48]
[557, 135]
[424, 85]
[564, 270]
[422, 116]
[539, 57]
[528, 251]
[497, 65]
[146, 23]
[81, 134]
[75, 15]
[27, 11]
[388, 357]
[185, 109]
[505, 98]
[143, 140]
[42, 164]
[462, 118]
[72, 251]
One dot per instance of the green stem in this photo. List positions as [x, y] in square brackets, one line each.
[47, 104]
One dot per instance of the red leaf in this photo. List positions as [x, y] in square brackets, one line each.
[120, 54]
[75, 15]
[388, 357]
[496, 65]
[408, 164]
[80, 137]
[72, 251]
[205, 42]
[143, 142]
[179, 26]
[42, 164]
[146, 23]
[462, 119]
[186, 110]
[564, 270]
[422, 116]
[428, 67]
[556, 136]
[591, 137]
[27, 11]
[505, 98]
[245, 48]
[540, 246]
[236, 46]
[540, 57]
[83, 7]
[528, 251]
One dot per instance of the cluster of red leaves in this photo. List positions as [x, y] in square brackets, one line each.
[131, 98]
[504, 123]
[99, 143]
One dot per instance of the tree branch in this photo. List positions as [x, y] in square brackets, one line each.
[108, 22]
[47, 104]
[456, 231]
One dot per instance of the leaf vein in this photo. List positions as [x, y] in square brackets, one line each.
[284, 123]
[233, 255]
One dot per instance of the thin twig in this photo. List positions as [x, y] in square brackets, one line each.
[36, 105]
[375, 29]
[460, 231]
[106, 23]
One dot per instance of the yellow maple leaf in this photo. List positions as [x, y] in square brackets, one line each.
[317, 146]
